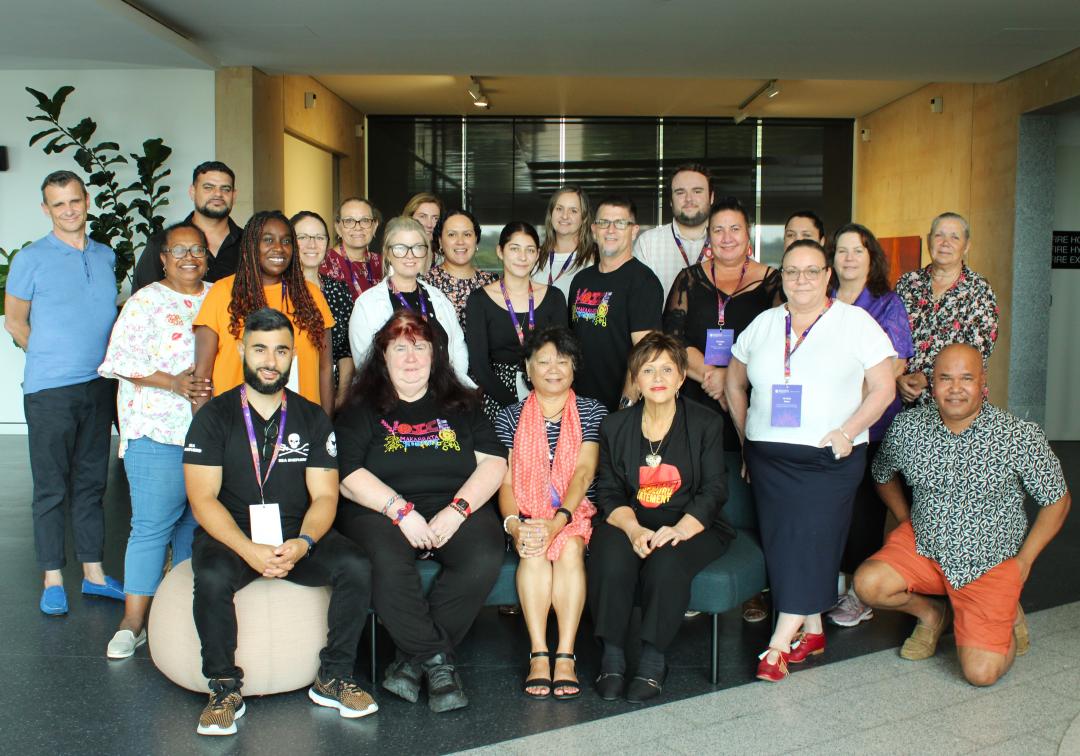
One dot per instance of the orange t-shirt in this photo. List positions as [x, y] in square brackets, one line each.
[228, 367]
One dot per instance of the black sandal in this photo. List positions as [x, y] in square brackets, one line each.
[574, 684]
[538, 682]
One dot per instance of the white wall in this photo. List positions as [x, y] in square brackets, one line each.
[1063, 364]
[129, 106]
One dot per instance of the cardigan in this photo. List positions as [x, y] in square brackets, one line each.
[373, 308]
[620, 461]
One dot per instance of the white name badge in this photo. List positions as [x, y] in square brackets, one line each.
[266, 524]
[519, 384]
[294, 379]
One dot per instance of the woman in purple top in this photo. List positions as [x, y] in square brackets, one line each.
[861, 278]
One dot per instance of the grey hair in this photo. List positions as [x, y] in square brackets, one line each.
[951, 216]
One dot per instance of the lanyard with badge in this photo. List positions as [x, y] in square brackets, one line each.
[265, 518]
[565, 265]
[718, 341]
[706, 248]
[522, 390]
[405, 303]
[786, 396]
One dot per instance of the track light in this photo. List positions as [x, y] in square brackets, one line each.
[770, 89]
[773, 90]
[476, 92]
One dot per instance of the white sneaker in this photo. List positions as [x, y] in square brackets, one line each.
[850, 611]
[124, 643]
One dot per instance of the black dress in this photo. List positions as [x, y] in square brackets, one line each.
[691, 310]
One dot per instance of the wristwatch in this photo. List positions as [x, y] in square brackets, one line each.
[310, 543]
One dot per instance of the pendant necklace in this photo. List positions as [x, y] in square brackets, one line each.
[653, 458]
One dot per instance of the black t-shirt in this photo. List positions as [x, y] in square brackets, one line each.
[149, 268]
[218, 438]
[605, 308]
[423, 453]
[413, 300]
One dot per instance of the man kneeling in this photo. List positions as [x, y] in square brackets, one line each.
[968, 464]
[250, 493]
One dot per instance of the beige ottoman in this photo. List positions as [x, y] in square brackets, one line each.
[281, 627]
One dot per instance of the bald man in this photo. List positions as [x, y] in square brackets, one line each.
[965, 535]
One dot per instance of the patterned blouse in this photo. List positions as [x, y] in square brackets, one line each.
[968, 488]
[340, 302]
[457, 290]
[152, 333]
[358, 276]
[967, 313]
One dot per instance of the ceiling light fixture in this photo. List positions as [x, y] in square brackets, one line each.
[476, 92]
[769, 89]
[773, 90]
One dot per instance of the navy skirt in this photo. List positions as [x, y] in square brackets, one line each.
[804, 500]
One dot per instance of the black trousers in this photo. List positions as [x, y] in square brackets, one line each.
[69, 439]
[220, 573]
[424, 626]
[617, 576]
[867, 532]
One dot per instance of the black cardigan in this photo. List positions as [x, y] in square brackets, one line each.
[620, 460]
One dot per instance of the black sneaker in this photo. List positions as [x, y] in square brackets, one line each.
[444, 685]
[224, 708]
[403, 680]
[343, 694]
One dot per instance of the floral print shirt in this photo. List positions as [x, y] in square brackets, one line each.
[358, 276]
[968, 488]
[457, 290]
[967, 313]
[153, 332]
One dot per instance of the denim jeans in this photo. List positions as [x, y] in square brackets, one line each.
[159, 513]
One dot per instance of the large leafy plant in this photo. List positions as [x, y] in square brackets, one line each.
[128, 215]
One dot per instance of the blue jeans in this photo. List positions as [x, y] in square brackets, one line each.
[159, 513]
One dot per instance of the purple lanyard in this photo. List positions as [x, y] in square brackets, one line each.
[405, 304]
[721, 302]
[788, 349]
[513, 315]
[565, 265]
[255, 459]
[706, 248]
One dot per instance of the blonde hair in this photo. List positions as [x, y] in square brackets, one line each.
[400, 225]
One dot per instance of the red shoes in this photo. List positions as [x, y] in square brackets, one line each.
[772, 671]
[804, 645]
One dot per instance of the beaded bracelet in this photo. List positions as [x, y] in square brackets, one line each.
[403, 512]
[391, 500]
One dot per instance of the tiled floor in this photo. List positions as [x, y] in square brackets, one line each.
[878, 703]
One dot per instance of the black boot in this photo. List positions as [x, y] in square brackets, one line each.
[403, 679]
[444, 685]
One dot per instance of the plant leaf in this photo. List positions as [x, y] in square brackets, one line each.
[40, 135]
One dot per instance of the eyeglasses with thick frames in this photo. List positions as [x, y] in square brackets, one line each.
[813, 273]
[416, 250]
[353, 222]
[179, 252]
[621, 224]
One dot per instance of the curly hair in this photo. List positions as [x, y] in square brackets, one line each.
[247, 292]
[372, 385]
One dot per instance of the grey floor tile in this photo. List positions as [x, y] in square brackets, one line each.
[864, 669]
[621, 733]
[777, 730]
[1023, 746]
[714, 708]
[1065, 683]
[899, 738]
[1049, 621]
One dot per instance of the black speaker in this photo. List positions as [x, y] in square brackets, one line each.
[3, 159]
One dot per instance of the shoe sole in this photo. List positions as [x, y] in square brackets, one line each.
[449, 702]
[868, 615]
[405, 691]
[110, 654]
[58, 612]
[215, 730]
[343, 710]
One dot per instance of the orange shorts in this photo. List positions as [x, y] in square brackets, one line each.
[984, 609]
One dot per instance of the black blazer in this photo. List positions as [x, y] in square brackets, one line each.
[620, 460]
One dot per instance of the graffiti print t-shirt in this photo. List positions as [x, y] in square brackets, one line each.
[605, 308]
[419, 450]
[218, 438]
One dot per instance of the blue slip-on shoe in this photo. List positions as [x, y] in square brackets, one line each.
[54, 601]
[112, 588]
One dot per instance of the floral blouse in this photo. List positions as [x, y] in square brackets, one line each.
[457, 290]
[152, 333]
[358, 276]
[967, 313]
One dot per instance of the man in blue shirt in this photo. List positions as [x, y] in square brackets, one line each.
[60, 306]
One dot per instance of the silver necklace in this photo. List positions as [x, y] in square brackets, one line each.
[653, 458]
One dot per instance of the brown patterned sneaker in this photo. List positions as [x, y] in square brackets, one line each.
[343, 694]
[224, 708]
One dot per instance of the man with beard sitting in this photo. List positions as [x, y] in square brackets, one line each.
[260, 466]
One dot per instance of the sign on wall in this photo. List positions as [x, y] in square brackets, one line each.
[1066, 250]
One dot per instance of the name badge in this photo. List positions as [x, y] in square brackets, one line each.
[718, 342]
[519, 385]
[786, 405]
[294, 377]
[266, 524]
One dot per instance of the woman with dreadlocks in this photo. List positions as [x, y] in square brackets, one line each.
[269, 274]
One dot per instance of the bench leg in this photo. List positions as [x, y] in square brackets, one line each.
[714, 662]
[374, 629]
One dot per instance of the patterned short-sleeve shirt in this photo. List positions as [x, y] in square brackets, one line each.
[968, 488]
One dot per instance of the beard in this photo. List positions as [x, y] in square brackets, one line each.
[251, 378]
[212, 212]
[697, 219]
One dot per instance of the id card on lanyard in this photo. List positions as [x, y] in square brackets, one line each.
[265, 517]
[787, 397]
[718, 341]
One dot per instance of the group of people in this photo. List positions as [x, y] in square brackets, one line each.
[297, 405]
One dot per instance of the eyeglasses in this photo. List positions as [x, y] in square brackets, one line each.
[305, 238]
[400, 250]
[353, 222]
[270, 433]
[621, 224]
[179, 252]
[813, 273]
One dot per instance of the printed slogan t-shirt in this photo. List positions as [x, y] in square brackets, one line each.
[422, 452]
[605, 308]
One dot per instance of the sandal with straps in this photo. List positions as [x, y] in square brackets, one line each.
[538, 682]
[573, 685]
